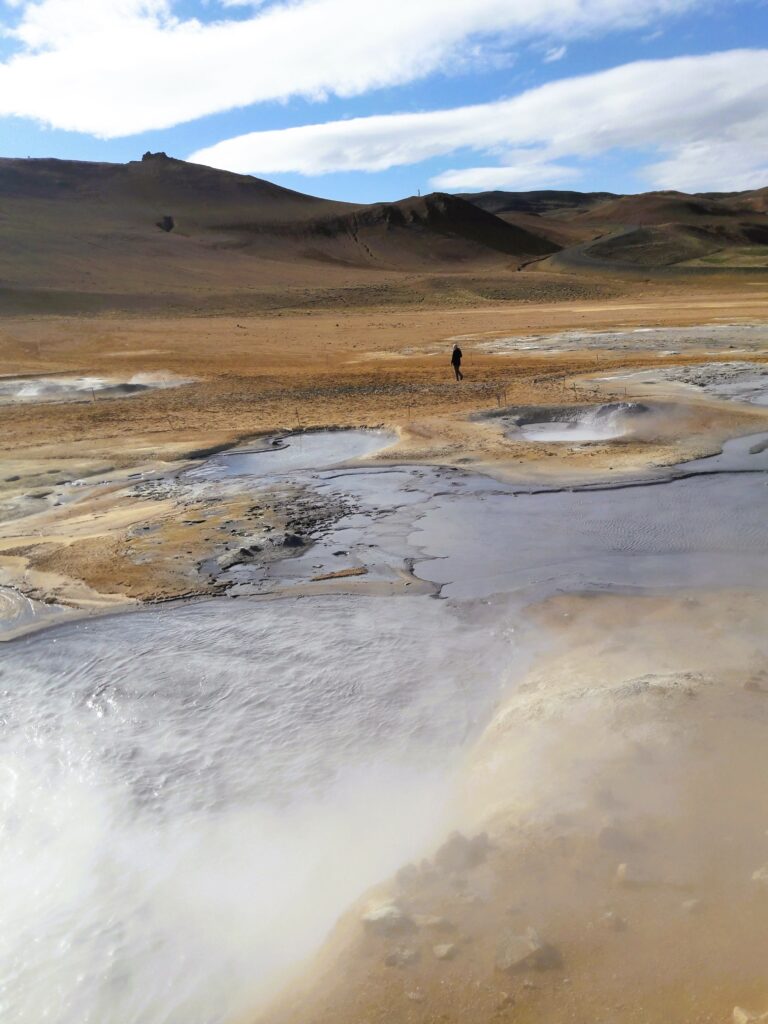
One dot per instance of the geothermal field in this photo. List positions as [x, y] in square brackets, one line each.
[336, 690]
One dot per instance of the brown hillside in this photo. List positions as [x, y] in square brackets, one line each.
[162, 226]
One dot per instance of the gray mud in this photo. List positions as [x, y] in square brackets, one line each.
[20, 614]
[317, 450]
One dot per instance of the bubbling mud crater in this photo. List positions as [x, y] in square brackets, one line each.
[67, 388]
[575, 424]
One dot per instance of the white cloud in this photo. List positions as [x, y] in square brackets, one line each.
[705, 117]
[523, 174]
[119, 67]
[555, 54]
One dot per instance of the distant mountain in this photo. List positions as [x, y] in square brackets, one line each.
[654, 230]
[101, 235]
[161, 225]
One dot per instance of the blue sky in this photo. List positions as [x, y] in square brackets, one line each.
[369, 101]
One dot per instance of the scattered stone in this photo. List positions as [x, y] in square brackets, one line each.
[614, 921]
[445, 951]
[516, 952]
[401, 957]
[415, 996]
[386, 919]
[761, 875]
[459, 853]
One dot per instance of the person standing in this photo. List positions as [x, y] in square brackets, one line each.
[456, 362]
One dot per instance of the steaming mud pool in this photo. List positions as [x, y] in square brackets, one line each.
[192, 794]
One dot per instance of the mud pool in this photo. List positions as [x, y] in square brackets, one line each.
[319, 450]
[193, 793]
[572, 424]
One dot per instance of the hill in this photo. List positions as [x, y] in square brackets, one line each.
[162, 233]
[653, 231]
[162, 226]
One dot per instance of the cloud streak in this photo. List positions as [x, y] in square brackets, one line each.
[121, 67]
[705, 118]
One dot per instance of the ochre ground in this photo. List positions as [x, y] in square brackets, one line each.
[289, 371]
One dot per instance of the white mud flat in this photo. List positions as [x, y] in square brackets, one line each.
[738, 381]
[666, 340]
[21, 390]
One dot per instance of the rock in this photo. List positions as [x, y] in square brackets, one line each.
[401, 957]
[445, 951]
[761, 875]
[386, 919]
[504, 1001]
[415, 996]
[614, 921]
[517, 952]
[459, 853]
[691, 906]
[408, 876]
[293, 540]
[166, 223]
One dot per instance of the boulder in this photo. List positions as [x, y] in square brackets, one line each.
[445, 951]
[386, 919]
[519, 952]
[293, 540]
[460, 854]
